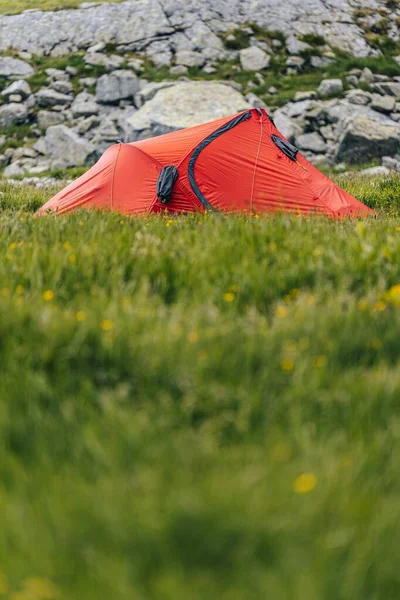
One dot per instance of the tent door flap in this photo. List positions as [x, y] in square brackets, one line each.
[166, 182]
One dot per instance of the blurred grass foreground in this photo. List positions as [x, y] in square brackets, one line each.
[200, 407]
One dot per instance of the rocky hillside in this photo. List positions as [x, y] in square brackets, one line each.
[73, 82]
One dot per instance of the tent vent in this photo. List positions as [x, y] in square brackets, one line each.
[165, 183]
[287, 148]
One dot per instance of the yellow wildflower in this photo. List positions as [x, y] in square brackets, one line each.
[106, 325]
[19, 290]
[3, 583]
[48, 295]
[394, 294]
[281, 311]
[305, 483]
[72, 258]
[229, 297]
[67, 246]
[80, 315]
[12, 246]
[379, 306]
[272, 247]
[193, 337]
[376, 343]
[40, 588]
[320, 362]
[287, 365]
[362, 305]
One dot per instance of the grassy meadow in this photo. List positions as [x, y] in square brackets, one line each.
[200, 407]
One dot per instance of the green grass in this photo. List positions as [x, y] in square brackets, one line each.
[16, 6]
[164, 384]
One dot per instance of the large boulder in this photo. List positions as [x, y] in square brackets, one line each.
[254, 59]
[365, 139]
[66, 148]
[12, 114]
[118, 85]
[14, 67]
[184, 105]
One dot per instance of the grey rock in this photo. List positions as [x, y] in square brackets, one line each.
[110, 63]
[391, 89]
[374, 171]
[84, 105]
[385, 104]
[319, 62]
[57, 75]
[62, 87]
[14, 67]
[134, 25]
[297, 109]
[185, 105]
[67, 148]
[380, 78]
[352, 80]
[150, 90]
[20, 87]
[12, 114]
[14, 170]
[311, 141]
[358, 97]
[47, 97]
[187, 58]
[300, 96]
[137, 64]
[117, 86]
[179, 70]
[47, 118]
[295, 46]
[365, 139]
[366, 76]
[88, 81]
[297, 62]
[287, 126]
[87, 124]
[254, 59]
[40, 146]
[254, 101]
[330, 87]
[391, 163]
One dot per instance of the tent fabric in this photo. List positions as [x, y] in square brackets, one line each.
[229, 165]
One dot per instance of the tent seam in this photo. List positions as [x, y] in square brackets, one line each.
[113, 177]
[308, 185]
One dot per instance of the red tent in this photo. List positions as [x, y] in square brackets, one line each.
[239, 163]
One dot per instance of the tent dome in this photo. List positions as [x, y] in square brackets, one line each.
[238, 163]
